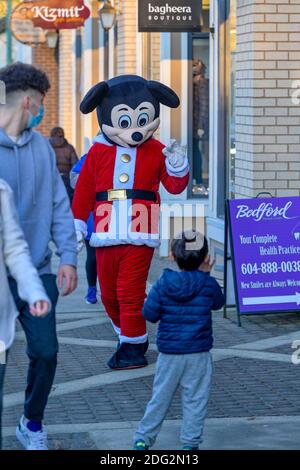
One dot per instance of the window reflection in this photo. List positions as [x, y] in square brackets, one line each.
[231, 87]
[200, 117]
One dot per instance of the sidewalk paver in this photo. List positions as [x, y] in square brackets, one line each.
[254, 380]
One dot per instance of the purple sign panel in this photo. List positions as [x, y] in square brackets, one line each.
[265, 243]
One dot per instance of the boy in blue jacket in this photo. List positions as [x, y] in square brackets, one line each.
[182, 302]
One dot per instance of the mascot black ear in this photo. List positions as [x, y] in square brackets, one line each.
[94, 97]
[163, 94]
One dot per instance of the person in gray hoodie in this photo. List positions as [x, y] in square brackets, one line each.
[15, 256]
[28, 165]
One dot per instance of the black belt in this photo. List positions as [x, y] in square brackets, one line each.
[122, 194]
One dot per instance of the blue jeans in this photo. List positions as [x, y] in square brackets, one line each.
[42, 349]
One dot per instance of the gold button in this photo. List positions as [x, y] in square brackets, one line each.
[125, 158]
[124, 178]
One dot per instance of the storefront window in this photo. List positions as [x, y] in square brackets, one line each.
[200, 129]
[199, 123]
[230, 48]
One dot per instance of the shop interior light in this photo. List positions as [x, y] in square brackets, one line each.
[107, 14]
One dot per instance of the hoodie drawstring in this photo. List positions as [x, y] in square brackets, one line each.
[16, 151]
[34, 189]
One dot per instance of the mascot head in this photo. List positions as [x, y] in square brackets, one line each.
[128, 108]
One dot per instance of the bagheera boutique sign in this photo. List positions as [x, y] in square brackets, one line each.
[170, 16]
[30, 19]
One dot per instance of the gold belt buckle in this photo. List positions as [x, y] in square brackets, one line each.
[117, 194]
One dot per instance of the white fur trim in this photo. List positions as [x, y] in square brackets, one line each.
[179, 172]
[100, 139]
[99, 240]
[81, 226]
[116, 328]
[120, 229]
[136, 340]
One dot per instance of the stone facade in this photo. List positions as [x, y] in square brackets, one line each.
[65, 89]
[47, 60]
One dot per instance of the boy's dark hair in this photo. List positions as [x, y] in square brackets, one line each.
[19, 76]
[189, 249]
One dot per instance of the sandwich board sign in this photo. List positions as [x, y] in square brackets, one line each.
[265, 250]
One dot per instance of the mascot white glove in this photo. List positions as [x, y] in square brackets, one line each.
[176, 155]
[80, 240]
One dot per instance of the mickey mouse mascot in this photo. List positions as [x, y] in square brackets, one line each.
[119, 182]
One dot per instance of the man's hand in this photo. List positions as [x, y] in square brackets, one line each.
[67, 278]
[40, 308]
[80, 240]
[176, 154]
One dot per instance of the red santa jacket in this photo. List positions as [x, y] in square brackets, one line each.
[124, 221]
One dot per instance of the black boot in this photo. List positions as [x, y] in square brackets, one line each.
[145, 346]
[128, 356]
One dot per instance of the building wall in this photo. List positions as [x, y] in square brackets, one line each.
[127, 30]
[87, 70]
[46, 59]
[155, 56]
[65, 91]
[268, 120]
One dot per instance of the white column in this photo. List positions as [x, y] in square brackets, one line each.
[66, 95]
[87, 79]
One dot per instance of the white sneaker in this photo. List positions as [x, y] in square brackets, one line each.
[29, 439]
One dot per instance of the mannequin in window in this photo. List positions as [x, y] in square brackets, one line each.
[200, 122]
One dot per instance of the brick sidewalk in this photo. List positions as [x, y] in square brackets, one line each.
[254, 376]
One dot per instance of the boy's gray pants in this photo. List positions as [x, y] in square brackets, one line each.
[193, 372]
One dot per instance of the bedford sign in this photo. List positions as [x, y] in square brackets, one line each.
[52, 14]
[265, 248]
[169, 16]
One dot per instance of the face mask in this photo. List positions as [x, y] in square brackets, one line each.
[34, 121]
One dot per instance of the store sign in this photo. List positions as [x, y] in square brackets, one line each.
[53, 14]
[170, 16]
[265, 248]
[23, 29]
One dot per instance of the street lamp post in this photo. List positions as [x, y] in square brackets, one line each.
[107, 14]
[106, 54]
[8, 33]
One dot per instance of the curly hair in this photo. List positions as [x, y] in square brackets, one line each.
[21, 77]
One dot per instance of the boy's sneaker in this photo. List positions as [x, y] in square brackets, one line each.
[140, 445]
[190, 448]
[91, 297]
[31, 440]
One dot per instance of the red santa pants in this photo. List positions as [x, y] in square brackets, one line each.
[123, 272]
